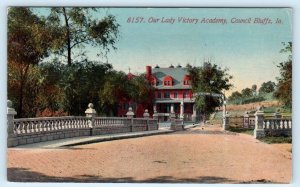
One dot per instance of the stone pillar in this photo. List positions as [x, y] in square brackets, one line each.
[277, 114]
[11, 137]
[182, 110]
[194, 116]
[91, 113]
[259, 131]
[146, 114]
[226, 121]
[246, 120]
[130, 114]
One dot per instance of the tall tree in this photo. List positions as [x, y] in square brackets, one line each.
[267, 87]
[235, 96]
[212, 79]
[254, 88]
[247, 92]
[284, 85]
[28, 43]
[76, 28]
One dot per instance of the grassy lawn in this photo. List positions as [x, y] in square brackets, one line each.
[242, 130]
[279, 139]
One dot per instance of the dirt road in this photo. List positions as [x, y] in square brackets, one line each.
[197, 155]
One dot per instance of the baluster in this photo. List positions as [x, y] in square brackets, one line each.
[32, 129]
[79, 123]
[51, 125]
[68, 124]
[21, 128]
[71, 123]
[60, 124]
[16, 127]
[47, 126]
[276, 124]
[36, 127]
[54, 125]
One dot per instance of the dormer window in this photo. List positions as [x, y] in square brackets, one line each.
[186, 80]
[153, 80]
[168, 81]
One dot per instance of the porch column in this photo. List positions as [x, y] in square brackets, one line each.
[194, 116]
[181, 110]
[154, 107]
[172, 107]
[172, 114]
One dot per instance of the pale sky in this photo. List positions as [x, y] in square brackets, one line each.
[250, 51]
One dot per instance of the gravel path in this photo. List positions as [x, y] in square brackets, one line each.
[198, 155]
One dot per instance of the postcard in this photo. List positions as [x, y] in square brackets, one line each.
[149, 95]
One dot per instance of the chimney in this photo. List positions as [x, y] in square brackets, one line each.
[148, 71]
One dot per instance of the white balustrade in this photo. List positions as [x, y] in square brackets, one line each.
[25, 126]
[277, 124]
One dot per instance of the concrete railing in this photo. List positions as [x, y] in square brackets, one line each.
[263, 126]
[33, 130]
[29, 126]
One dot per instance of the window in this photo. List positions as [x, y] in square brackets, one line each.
[175, 95]
[184, 94]
[158, 95]
[168, 81]
[167, 95]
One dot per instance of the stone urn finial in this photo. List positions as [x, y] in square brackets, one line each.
[9, 104]
[130, 113]
[90, 105]
[90, 111]
[146, 114]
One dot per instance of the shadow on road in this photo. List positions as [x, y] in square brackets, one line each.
[25, 175]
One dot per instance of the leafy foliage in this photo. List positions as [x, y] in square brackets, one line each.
[75, 28]
[267, 87]
[28, 43]
[247, 92]
[119, 87]
[212, 79]
[284, 87]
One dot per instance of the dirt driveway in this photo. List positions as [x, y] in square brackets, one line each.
[198, 155]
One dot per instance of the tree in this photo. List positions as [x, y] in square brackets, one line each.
[81, 83]
[235, 96]
[247, 92]
[283, 91]
[76, 28]
[254, 88]
[119, 87]
[28, 43]
[212, 79]
[267, 87]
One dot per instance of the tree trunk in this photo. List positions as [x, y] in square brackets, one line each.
[68, 36]
[21, 96]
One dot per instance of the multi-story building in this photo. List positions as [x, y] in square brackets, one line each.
[173, 94]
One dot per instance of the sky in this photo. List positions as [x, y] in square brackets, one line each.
[251, 51]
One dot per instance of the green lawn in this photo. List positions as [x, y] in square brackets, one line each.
[242, 130]
[279, 139]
